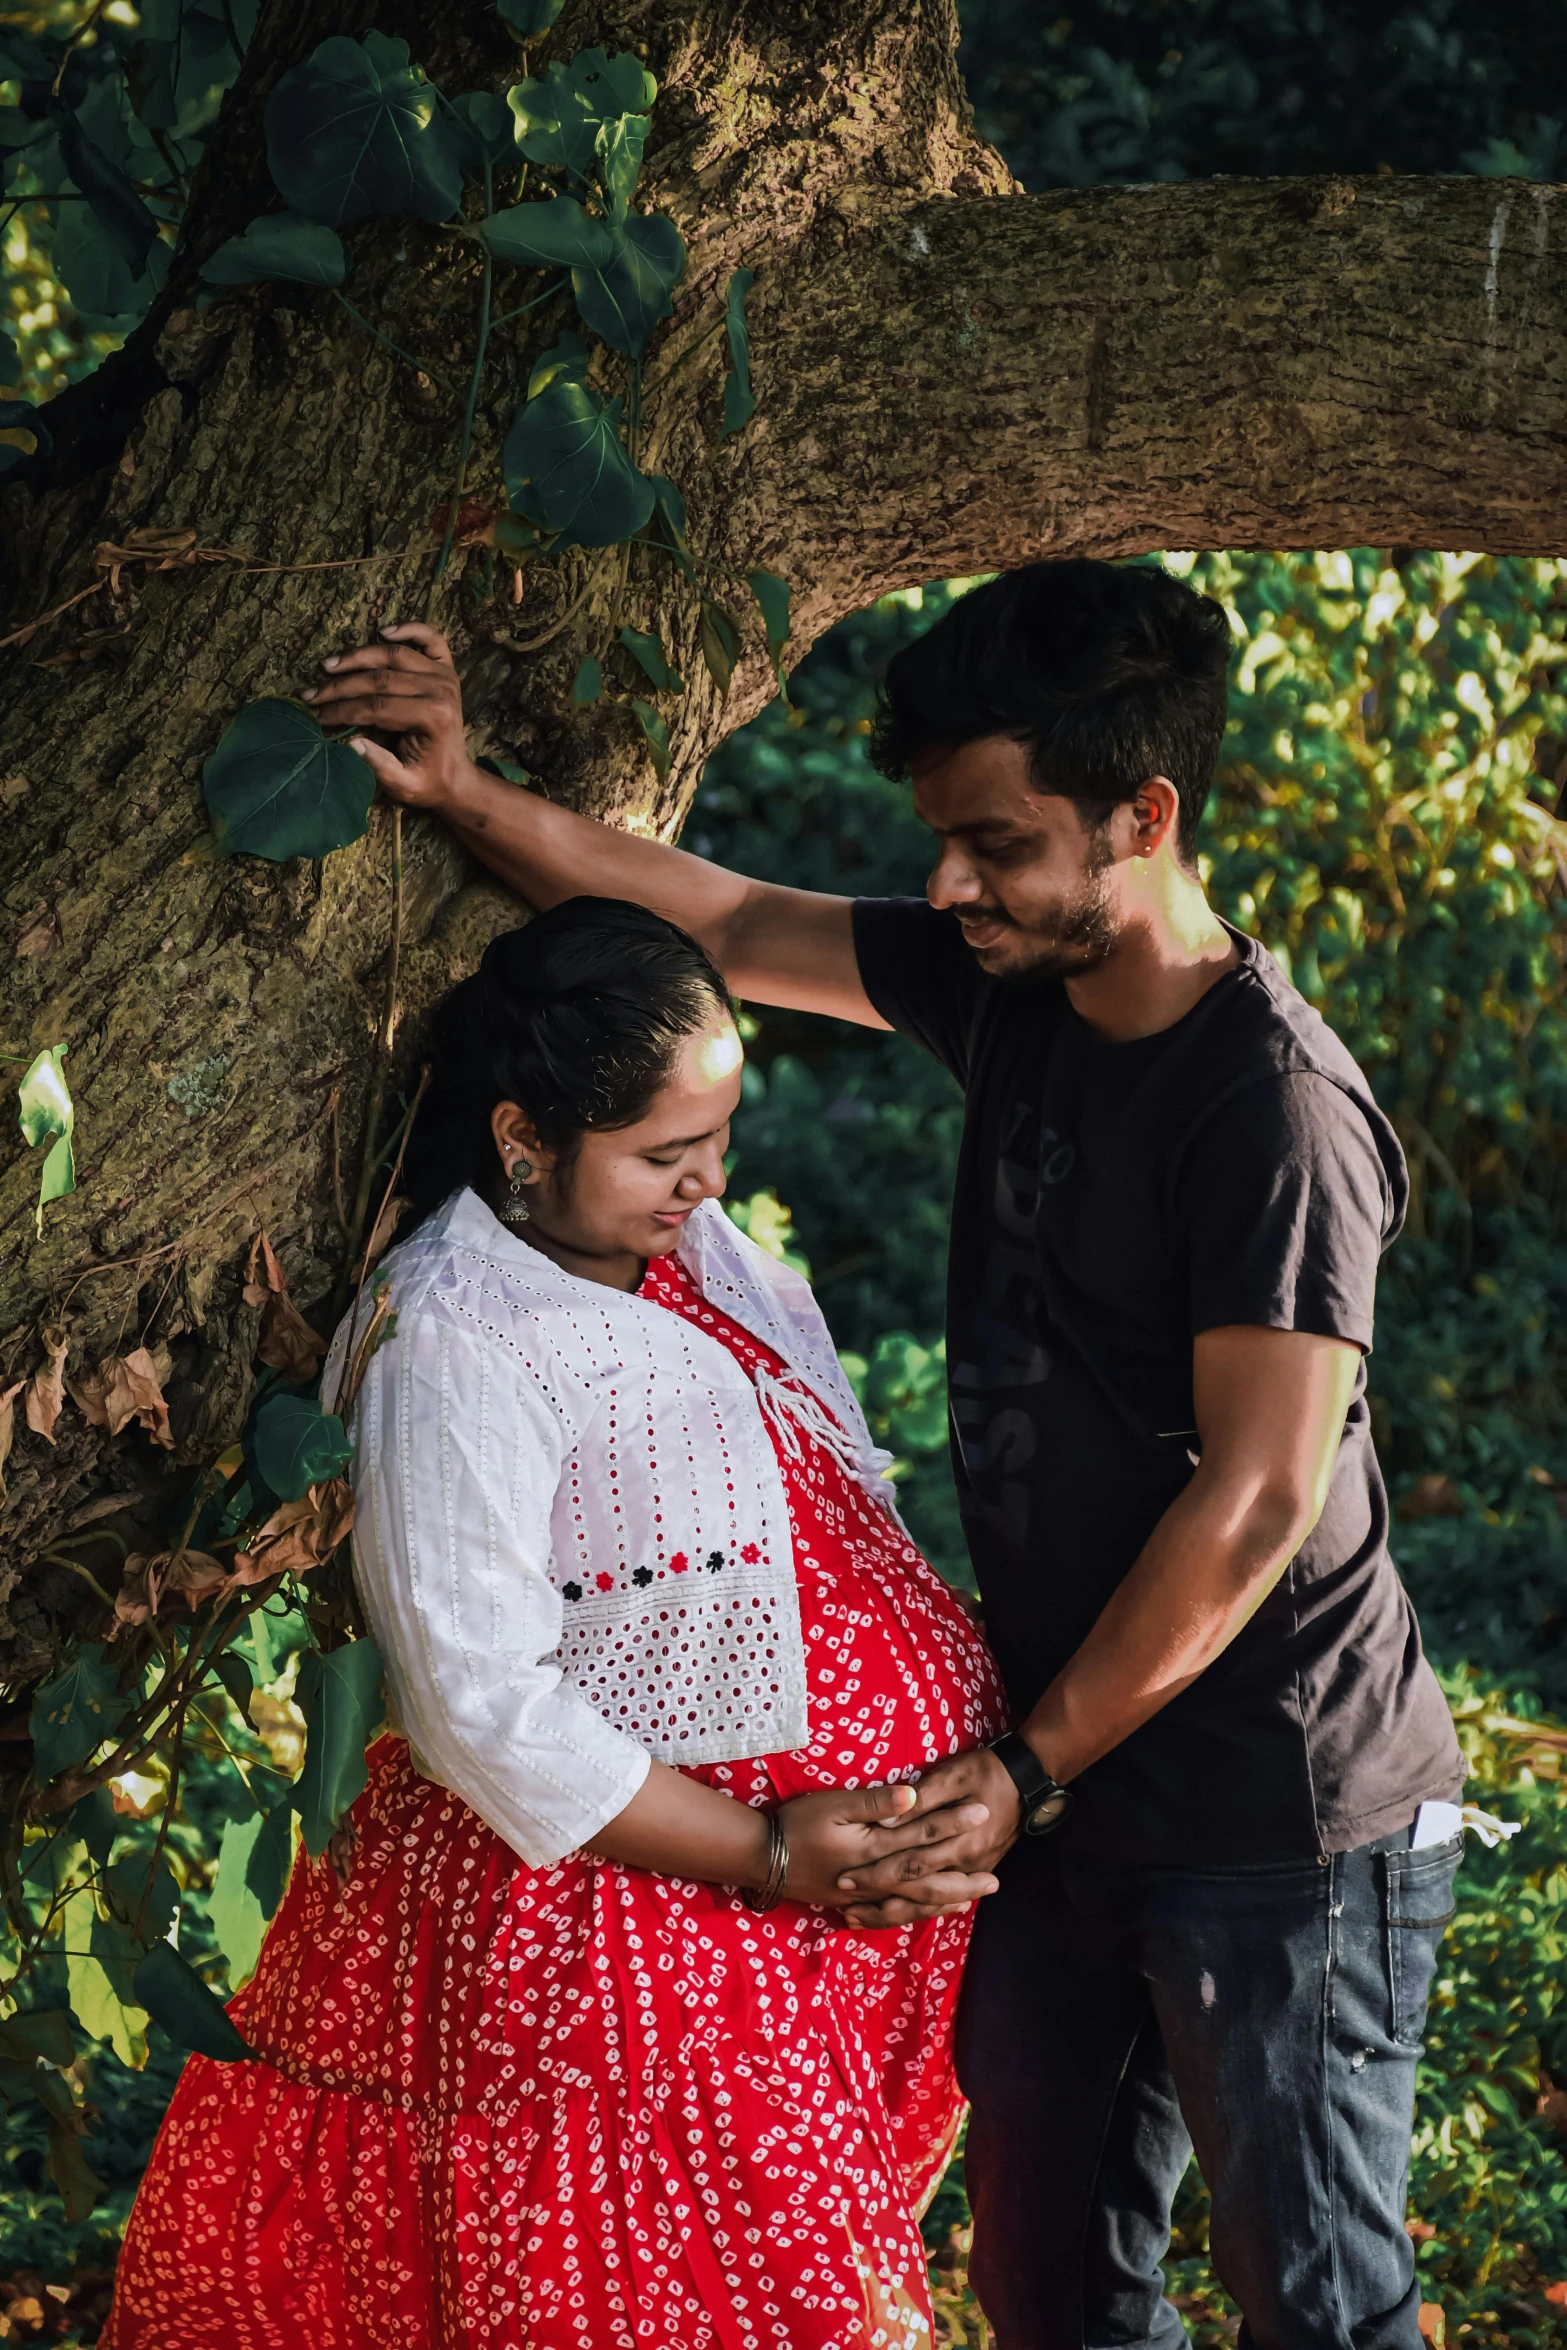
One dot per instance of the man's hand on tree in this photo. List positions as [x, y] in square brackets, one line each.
[407, 687]
[966, 1816]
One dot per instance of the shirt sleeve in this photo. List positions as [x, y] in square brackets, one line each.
[1282, 1200]
[919, 975]
[458, 1455]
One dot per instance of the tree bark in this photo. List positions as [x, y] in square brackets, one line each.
[951, 376]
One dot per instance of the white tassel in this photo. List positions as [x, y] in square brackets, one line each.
[795, 1411]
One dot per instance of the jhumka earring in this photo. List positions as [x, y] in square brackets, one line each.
[514, 1208]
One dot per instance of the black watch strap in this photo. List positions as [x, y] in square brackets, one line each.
[1044, 1800]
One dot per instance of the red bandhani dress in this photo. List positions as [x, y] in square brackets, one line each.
[585, 2107]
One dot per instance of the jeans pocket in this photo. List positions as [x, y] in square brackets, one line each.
[1420, 1908]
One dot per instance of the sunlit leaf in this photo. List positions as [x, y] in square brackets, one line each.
[623, 299]
[566, 467]
[75, 1712]
[559, 118]
[357, 130]
[296, 1444]
[193, 2015]
[95, 1998]
[556, 235]
[649, 655]
[568, 356]
[340, 1698]
[277, 788]
[279, 245]
[655, 734]
[529, 18]
[619, 147]
[141, 1895]
[739, 400]
[49, 1115]
[238, 1919]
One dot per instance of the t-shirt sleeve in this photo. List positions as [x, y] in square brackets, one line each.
[919, 975]
[1283, 1202]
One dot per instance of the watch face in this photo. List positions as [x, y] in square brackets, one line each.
[1045, 1816]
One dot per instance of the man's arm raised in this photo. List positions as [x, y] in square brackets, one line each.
[792, 947]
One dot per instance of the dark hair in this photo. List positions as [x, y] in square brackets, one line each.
[1110, 673]
[576, 1017]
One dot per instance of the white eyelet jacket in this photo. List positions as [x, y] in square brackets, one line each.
[572, 1540]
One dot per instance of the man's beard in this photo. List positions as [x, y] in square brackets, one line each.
[1081, 936]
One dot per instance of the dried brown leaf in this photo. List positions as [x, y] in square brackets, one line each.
[121, 1389]
[263, 1273]
[46, 1388]
[299, 1534]
[192, 1575]
[288, 1343]
[392, 1213]
[7, 1428]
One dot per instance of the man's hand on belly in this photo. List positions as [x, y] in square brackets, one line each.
[966, 1817]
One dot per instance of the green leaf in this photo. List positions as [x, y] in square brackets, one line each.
[236, 1677]
[277, 788]
[44, 2032]
[529, 18]
[567, 357]
[619, 148]
[21, 416]
[141, 1896]
[95, 2001]
[567, 468]
[719, 640]
[95, 1820]
[623, 299]
[588, 683]
[100, 281]
[175, 1996]
[266, 1870]
[358, 130]
[655, 734]
[48, 1110]
[75, 1712]
[340, 1698]
[554, 235]
[279, 245]
[297, 1444]
[117, 210]
[739, 400]
[238, 1919]
[483, 129]
[772, 595]
[649, 655]
[67, 2165]
[10, 359]
[559, 118]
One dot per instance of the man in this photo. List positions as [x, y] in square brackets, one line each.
[1235, 1771]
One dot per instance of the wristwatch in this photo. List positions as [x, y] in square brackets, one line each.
[1045, 1801]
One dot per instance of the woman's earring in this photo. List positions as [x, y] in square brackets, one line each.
[514, 1208]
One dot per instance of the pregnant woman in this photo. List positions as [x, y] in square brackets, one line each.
[569, 2045]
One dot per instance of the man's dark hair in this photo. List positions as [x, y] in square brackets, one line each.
[1109, 672]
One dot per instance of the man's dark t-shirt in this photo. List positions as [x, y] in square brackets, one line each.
[1113, 1201]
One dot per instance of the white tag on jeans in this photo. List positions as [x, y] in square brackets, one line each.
[1434, 1824]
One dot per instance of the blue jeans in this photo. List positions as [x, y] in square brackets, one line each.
[1271, 2015]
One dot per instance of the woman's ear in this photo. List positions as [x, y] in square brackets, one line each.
[518, 1149]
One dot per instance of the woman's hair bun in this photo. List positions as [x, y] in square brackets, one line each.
[577, 1017]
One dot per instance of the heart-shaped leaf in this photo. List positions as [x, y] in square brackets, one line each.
[619, 147]
[558, 235]
[111, 197]
[483, 129]
[623, 299]
[567, 468]
[141, 1896]
[340, 1698]
[75, 1712]
[560, 117]
[100, 281]
[357, 130]
[739, 401]
[279, 245]
[175, 1996]
[529, 18]
[277, 788]
[297, 1444]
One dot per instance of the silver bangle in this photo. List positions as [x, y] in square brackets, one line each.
[777, 1869]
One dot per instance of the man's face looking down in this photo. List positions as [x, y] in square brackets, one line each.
[1037, 892]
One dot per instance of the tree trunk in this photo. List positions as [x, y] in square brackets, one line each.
[951, 377]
